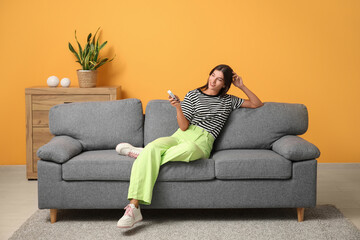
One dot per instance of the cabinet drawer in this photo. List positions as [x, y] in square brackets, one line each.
[45, 102]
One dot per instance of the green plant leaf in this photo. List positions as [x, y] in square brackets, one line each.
[88, 56]
[97, 51]
[86, 51]
[96, 56]
[86, 61]
[93, 41]
[92, 64]
[113, 58]
[92, 52]
[88, 38]
[102, 62]
[73, 51]
[80, 49]
[71, 48]
[102, 45]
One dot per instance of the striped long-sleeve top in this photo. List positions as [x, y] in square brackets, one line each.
[209, 111]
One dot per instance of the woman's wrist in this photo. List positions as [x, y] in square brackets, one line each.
[178, 108]
[242, 87]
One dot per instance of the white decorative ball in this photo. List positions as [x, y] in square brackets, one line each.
[65, 82]
[52, 81]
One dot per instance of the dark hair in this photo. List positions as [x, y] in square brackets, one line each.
[228, 76]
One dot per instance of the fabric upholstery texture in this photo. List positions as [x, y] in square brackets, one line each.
[160, 120]
[258, 128]
[60, 149]
[298, 191]
[108, 165]
[99, 125]
[295, 148]
[254, 162]
[251, 164]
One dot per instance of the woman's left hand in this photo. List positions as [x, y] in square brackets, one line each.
[237, 80]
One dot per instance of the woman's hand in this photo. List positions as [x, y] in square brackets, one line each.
[237, 80]
[175, 103]
[181, 119]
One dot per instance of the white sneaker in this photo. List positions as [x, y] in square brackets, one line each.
[131, 216]
[128, 150]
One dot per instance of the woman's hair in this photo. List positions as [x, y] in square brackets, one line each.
[228, 76]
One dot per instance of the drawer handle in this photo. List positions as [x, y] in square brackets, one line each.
[67, 102]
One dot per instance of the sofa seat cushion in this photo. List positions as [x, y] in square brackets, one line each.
[251, 164]
[108, 165]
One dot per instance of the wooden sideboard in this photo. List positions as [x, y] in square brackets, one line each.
[39, 100]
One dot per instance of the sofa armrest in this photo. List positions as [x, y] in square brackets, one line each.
[295, 148]
[60, 149]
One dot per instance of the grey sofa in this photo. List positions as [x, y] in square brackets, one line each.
[258, 161]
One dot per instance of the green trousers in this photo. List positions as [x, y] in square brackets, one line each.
[189, 145]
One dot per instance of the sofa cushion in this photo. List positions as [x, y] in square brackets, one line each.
[259, 128]
[99, 125]
[295, 148]
[60, 149]
[246, 128]
[251, 164]
[160, 120]
[109, 165]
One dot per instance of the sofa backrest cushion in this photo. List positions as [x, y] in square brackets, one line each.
[160, 120]
[100, 125]
[259, 128]
[246, 128]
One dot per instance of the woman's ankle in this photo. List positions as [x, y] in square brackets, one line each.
[135, 202]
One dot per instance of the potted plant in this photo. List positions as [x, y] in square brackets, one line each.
[89, 59]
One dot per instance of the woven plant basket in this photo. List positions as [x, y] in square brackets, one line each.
[87, 78]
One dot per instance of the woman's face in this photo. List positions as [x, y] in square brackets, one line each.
[216, 81]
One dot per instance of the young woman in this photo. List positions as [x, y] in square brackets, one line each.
[201, 116]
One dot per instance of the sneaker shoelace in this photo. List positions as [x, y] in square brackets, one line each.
[133, 154]
[129, 211]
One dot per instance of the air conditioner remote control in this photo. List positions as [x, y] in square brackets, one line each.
[172, 95]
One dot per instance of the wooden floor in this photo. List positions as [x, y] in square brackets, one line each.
[338, 184]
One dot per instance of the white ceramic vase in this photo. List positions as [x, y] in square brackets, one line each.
[52, 81]
[65, 82]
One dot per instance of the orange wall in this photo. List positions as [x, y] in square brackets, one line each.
[286, 51]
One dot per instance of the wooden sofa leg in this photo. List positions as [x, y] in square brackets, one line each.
[53, 213]
[300, 214]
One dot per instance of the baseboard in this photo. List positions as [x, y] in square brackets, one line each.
[338, 165]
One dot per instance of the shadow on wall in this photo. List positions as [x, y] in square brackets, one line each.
[110, 74]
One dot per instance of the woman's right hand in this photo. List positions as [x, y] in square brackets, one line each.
[181, 119]
[173, 102]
